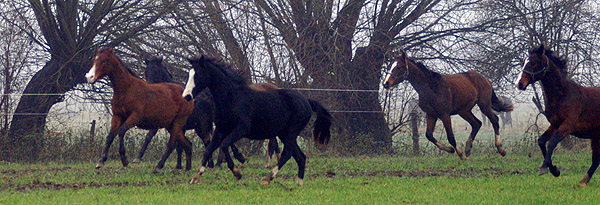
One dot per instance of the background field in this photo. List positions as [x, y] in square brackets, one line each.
[486, 178]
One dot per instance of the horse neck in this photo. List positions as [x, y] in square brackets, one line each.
[221, 88]
[553, 84]
[119, 78]
[419, 80]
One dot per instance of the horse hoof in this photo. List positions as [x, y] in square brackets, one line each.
[99, 165]
[300, 181]
[502, 152]
[554, 170]
[451, 150]
[543, 171]
[156, 170]
[264, 182]
[581, 185]
[237, 174]
[178, 167]
[136, 160]
[196, 179]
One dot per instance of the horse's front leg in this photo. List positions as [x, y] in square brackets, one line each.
[242, 130]
[215, 142]
[450, 135]
[431, 120]
[115, 123]
[560, 134]
[542, 144]
[132, 120]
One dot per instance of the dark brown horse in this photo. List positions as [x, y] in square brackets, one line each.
[257, 115]
[441, 96]
[571, 109]
[137, 103]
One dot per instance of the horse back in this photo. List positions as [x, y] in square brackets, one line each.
[271, 112]
[157, 104]
[467, 88]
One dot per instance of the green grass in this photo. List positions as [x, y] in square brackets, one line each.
[488, 179]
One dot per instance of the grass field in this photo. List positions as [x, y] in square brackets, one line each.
[431, 179]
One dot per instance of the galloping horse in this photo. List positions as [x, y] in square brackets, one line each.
[258, 115]
[441, 96]
[571, 109]
[137, 103]
[202, 117]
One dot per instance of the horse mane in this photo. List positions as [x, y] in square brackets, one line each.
[232, 74]
[429, 73]
[559, 61]
[122, 64]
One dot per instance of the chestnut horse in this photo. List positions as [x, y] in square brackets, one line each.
[441, 96]
[571, 108]
[256, 115]
[137, 103]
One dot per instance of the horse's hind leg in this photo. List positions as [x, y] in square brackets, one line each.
[475, 126]
[179, 149]
[450, 134]
[237, 154]
[147, 141]
[487, 110]
[429, 134]
[272, 148]
[595, 144]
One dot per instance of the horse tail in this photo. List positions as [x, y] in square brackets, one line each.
[321, 132]
[500, 104]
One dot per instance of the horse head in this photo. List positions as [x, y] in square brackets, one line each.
[399, 71]
[104, 63]
[197, 77]
[534, 68]
[156, 71]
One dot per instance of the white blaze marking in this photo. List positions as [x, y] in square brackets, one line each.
[92, 73]
[189, 86]
[521, 75]
[388, 75]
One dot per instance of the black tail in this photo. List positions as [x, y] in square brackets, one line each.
[501, 105]
[321, 132]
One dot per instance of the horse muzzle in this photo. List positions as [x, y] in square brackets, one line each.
[188, 98]
[91, 78]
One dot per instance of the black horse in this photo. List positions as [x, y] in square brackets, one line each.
[258, 115]
[201, 120]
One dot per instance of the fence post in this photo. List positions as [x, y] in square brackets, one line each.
[93, 130]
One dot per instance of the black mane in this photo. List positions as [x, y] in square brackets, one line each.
[559, 61]
[230, 73]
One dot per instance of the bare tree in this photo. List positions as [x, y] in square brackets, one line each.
[70, 31]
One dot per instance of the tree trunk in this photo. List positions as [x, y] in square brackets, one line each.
[25, 135]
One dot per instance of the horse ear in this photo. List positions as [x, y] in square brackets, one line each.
[160, 59]
[190, 60]
[110, 50]
[403, 54]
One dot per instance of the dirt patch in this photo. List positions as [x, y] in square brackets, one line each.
[56, 186]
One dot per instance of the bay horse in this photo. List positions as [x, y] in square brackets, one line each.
[202, 117]
[570, 108]
[137, 103]
[441, 96]
[256, 115]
